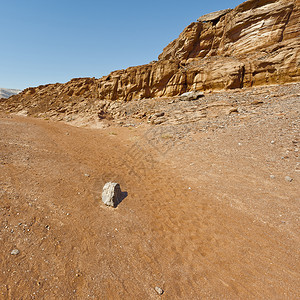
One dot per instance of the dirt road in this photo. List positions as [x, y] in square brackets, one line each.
[186, 227]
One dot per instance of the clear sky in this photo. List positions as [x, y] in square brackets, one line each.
[54, 41]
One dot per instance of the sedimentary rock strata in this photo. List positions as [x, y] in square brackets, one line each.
[257, 43]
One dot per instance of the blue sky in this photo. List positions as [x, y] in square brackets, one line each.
[54, 41]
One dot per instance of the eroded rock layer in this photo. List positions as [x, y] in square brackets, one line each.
[257, 43]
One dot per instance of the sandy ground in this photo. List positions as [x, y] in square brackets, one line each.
[210, 215]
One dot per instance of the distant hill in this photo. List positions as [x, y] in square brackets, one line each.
[6, 93]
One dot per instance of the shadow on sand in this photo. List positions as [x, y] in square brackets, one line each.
[123, 195]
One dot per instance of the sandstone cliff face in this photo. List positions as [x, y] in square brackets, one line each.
[257, 43]
[248, 28]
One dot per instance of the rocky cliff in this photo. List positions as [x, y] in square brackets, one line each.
[257, 43]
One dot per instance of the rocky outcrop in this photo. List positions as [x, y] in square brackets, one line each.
[257, 43]
[214, 16]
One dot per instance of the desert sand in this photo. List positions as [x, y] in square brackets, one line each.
[212, 207]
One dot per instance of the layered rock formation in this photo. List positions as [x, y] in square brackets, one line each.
[257, 43]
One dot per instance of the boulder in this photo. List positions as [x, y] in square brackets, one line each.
[111, 194]
[189, 96]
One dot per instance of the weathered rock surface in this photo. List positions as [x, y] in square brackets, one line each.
[111, 194]
[257, 43]
[214, 16]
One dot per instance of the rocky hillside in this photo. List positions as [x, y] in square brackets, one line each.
[257, 43]
[6, 93]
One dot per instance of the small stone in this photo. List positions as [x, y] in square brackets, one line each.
[231, 110]
[256, 102]
[288, 178]
[272, 142]
[159, 290]
[111, 194]
[15, 252]
[87, 175]
[158, 114]
[272, 176]
[158, 120]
